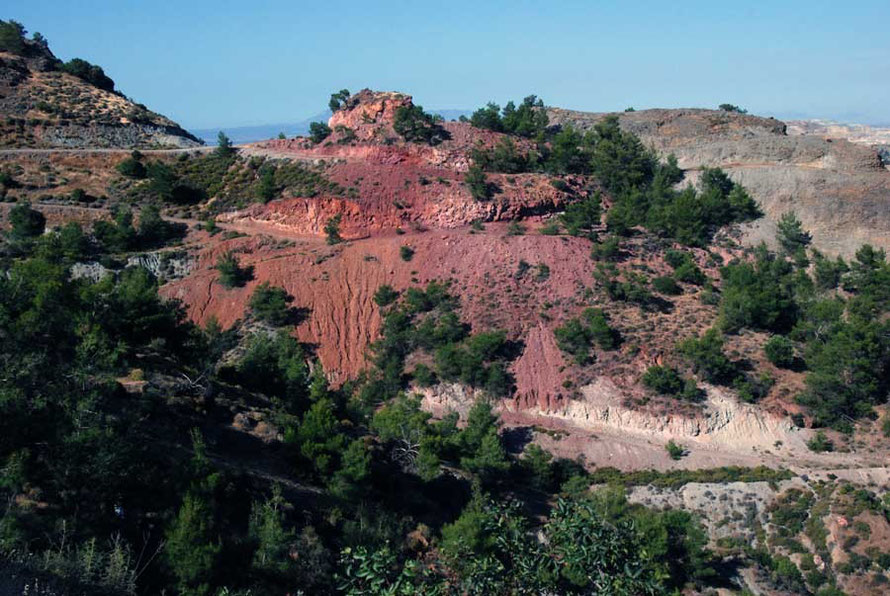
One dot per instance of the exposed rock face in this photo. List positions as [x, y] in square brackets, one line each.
[839, 190]
[370, 113]
[42, 107]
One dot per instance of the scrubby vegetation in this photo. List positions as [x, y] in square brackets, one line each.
[426, 320]
[232, 181]
[319, 131]
[577, 335]
[92, 74]
[231, 273]
[95, 457]
[271, 304]
[416, 126]
[529, 119]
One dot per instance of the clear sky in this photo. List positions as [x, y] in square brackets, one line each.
[212, 63]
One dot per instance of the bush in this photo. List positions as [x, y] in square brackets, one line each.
[663, 379]
[780, 351]
[416, 126]
[424, 376]
[132, 168]
[666, 285]
[820, 443]
[224, 146]
[758, 295]
[684, 266]
[606, 250]
[319, 131]
[154, 230]
[706, 355]
[577, 336]
[271, 304]
[25, 222]
[92, 74]
[504, 157]
[791, 235]
[231, 274]
[527, 120]
[728, 107]
[477, 182]
[580, 218]
[385, 295]
[675, 451]
[406, 253]
[332, 230]
[12, 37]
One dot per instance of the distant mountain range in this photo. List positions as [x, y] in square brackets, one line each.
[249, 134]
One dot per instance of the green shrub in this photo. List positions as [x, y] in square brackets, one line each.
[477, 183]
[271, 304]
[385, 295]
[820, 443]
[12, 37]
[514, 228]
[728, 107]
[675, 451]
[581, 217]
[666, 285]
[25, 222]
[503, 157]
[224, 146]
[705, 353]
[92, 74]
[527, 120]
[424, 375]
[791, 235]
[231, 274]
[416, 126]
[406, 253]
[606, 250]
[319, 131]
[332, 230]
[577, 335]
[780, 351]
[663, 379]
[550, 229]
[132, 168]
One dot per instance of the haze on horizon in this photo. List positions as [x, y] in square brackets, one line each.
[214, 64]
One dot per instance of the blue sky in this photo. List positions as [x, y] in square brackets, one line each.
[224, 63]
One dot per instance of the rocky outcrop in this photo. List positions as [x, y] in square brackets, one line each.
[369, 113]
[839, 190]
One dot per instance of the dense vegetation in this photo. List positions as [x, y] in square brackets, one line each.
[642, 187]
[826, 317]
[142, 454]
[416, 126]
[92, 74]
[527, 120]
[112, 420]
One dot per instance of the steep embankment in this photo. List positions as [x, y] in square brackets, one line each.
[838, 189]
[396, 195]
[43, 106]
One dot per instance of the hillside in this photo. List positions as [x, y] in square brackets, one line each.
[837, 188]
[520, 353]
[45, 103]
